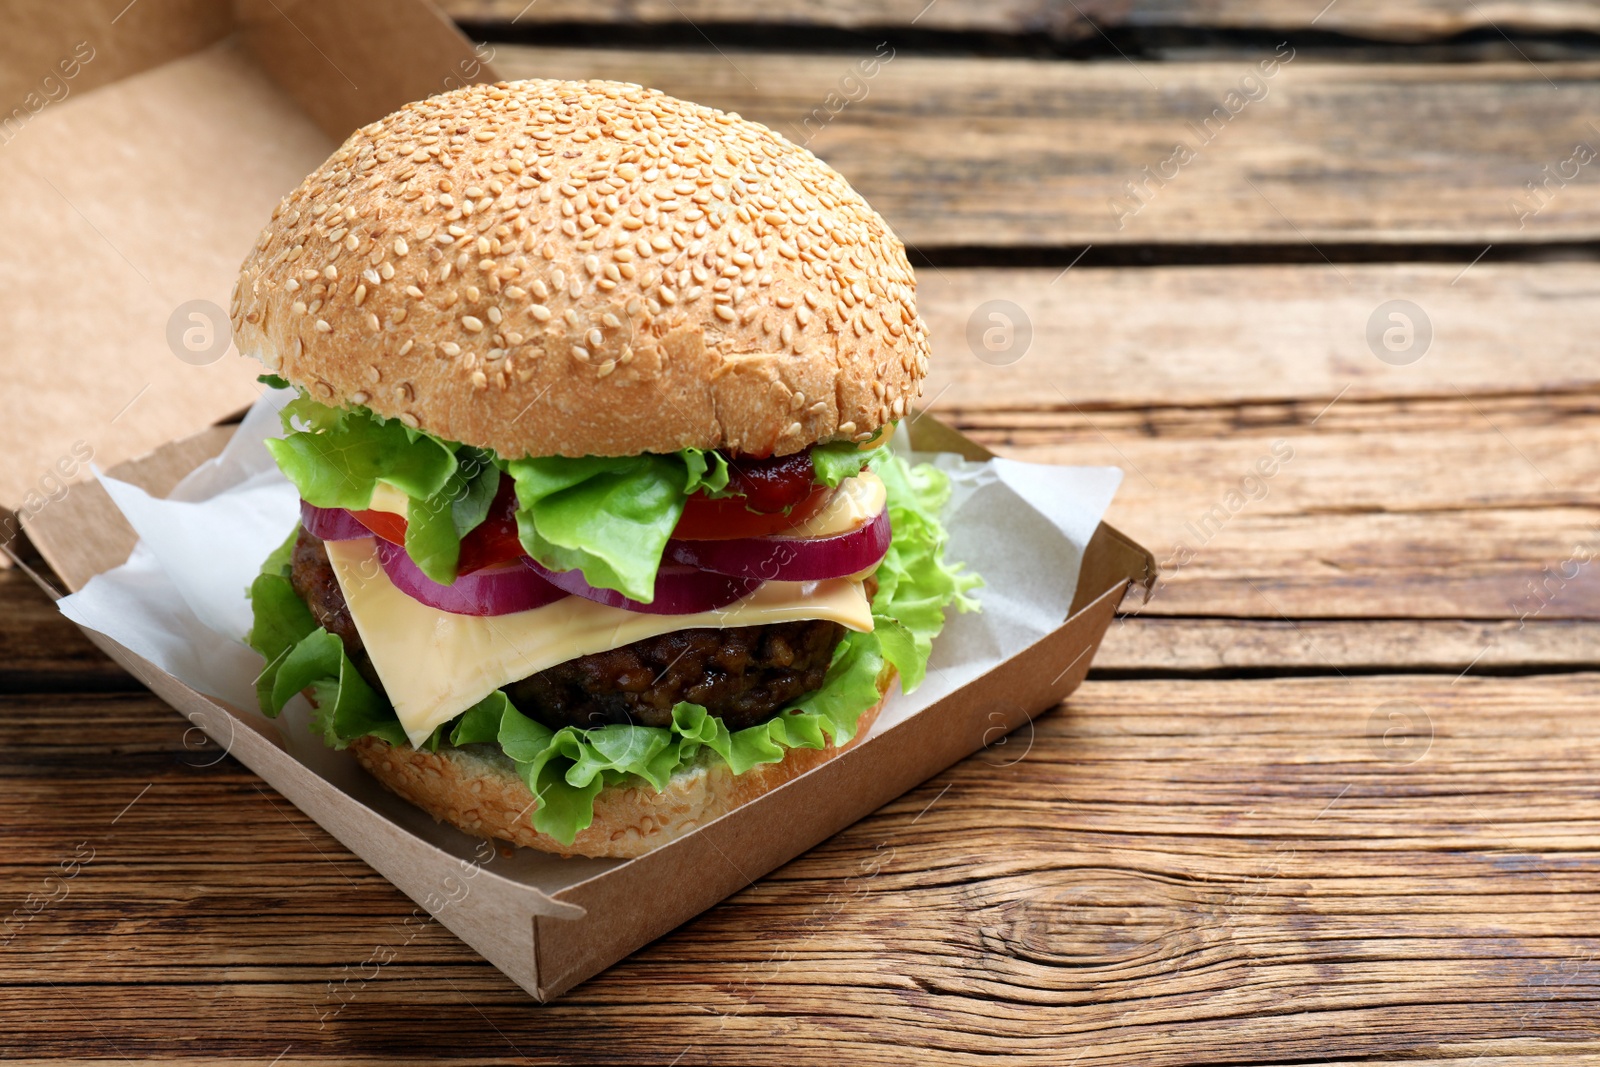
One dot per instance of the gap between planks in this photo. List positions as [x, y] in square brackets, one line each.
[1401, 20]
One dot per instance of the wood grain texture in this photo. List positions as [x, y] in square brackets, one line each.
[1481, 508]
[1139, 644]
[996, 152]
[1163, 872]
[1206, 336]
[1329, 796]
[1409, 20]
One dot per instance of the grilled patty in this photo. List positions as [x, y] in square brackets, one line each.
[741, 674]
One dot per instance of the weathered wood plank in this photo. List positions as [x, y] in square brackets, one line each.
[1191, 646]
[998, 152]
[1406, 21]
[1431, 509]
[1161, 871]
[1180, 336]
[39, 648]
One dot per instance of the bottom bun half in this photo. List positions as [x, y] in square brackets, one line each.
[477, 789]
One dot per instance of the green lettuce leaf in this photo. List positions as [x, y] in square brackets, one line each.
[301, 655]
[915, 583]
[436, 525]
[343, 454]
[838, 460]
[609, 517]
[708, 471]
[280, 619]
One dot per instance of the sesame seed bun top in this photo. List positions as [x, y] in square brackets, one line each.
[586, 268]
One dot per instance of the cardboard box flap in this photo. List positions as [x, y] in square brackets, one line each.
[52, 51]
[130, 206]
[349, 63]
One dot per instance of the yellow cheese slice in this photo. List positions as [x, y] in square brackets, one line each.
[386, 497]
[856, 502]
[435, 665]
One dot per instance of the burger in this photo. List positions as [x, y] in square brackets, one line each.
[600, 533]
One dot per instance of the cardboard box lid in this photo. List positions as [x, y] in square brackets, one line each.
[141, 152]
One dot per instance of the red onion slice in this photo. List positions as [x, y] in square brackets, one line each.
[331, 524]
[503, 589]
[679, 590]
[788, 559]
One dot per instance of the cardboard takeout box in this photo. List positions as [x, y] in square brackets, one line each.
[207, 115]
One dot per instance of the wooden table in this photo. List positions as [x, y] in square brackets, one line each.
[1331, 795]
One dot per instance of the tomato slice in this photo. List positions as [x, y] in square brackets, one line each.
[386, 524]
[494, 540]
[705, 519]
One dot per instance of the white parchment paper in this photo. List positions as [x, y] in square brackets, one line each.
[180, 599]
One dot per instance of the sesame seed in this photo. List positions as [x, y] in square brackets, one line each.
[472, 323]
[372, 323]
[725, 313]
[323, 327]
[539, 312]
[361, 294]
[407, 346]
[450, 348]
[580, 353]
[607, 367]
[409, 419]
[400, 246]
